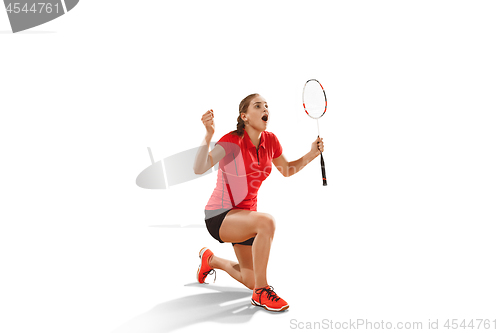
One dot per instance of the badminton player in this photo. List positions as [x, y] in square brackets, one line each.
[244, 156]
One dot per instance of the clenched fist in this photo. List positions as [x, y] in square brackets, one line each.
[208, 121]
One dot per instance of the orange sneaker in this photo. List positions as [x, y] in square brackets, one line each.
[267, 298]
[204, 268]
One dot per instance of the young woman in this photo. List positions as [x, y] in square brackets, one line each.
[244, 156]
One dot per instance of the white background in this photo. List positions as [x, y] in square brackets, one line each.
[406, 230]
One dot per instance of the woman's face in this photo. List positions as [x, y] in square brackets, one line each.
[257, 115]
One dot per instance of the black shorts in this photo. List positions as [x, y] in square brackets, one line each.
[213, 221]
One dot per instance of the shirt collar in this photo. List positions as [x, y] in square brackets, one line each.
[248, 143]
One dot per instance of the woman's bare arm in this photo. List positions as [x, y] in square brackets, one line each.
[288, 169]
[205, 159]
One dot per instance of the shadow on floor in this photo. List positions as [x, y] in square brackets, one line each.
[214, 304]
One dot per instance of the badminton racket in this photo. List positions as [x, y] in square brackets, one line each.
[314, 102]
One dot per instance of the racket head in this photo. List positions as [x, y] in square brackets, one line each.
[314, 99]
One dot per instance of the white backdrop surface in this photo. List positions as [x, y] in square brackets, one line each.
[405, 231]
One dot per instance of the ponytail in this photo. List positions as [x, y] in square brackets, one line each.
[240, 126]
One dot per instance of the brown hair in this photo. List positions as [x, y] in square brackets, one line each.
[240, 126]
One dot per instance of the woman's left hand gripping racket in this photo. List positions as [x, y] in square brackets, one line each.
[314, 101]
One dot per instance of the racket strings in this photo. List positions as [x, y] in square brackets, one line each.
[314, 99]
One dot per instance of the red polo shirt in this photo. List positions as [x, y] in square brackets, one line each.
[242, 170]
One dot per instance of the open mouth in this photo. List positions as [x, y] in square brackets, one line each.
[265, 117]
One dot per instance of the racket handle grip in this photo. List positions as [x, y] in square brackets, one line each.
[323, 172]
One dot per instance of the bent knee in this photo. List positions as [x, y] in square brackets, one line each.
[267, 223]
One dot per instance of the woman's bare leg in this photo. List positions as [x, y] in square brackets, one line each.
[230, 267]
[241, 271]
[240, 225]
[245, 258]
